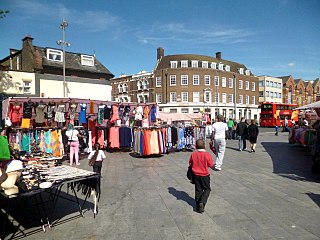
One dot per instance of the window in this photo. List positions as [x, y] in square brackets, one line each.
[227, 68]
[26, 87]
[224, 98]
[260, 83]
[54, 55]
[173, 64]
[184, 63]
[173, 80]
[196, 97]
[140, 98]
[220, 66]
[241, 70]
[145, 84]
[216, 80]
[158, 81]
[279, 95]
[87, 60]
[125, 87]
[240, 84]
[253, 100]
[196, 110]
[120, 88]
[260, 93]
[207, 80]
[240, 99]
[194, 64]
[173, 110]
[184, 110]
[213, 65]
[247, 72]
[224, 82]
[18, 63]
[267, 83]
[146, 98]
[230, 98]
[230, 82]
[173, 97]
[247, 99]
[207, 96]
[271, 84]
[247, 85]
[271, 94]
[216, 97]
[275, 95]
[196, 80]
[184, 79]
[253, 86]
[204, 64]
[158, 97]
[267, 93]
[139, 85]
[184, 97]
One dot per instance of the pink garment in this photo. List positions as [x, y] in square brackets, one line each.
[74, 149]
[115, 113]
[114, 137]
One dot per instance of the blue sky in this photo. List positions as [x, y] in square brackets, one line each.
[270, 37]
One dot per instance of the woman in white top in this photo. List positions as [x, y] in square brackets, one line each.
[73, 141]
[98, 155]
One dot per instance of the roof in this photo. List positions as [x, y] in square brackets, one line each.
[285, 79]
[165, 61]
[73, 61]
[296, 81]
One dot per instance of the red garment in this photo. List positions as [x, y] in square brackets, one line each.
[15, 113]
[115, 113]
[200, 161]
[114, 137]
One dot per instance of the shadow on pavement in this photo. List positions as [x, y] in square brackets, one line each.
[181, 195]
[291, 161]
[315, 198]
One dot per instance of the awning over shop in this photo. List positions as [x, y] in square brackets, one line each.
[309, 106]
[179, 116]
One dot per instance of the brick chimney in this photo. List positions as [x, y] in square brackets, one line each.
[218, 55]
[27, 41]
[160, 53]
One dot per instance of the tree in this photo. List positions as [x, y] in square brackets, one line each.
[3, 13]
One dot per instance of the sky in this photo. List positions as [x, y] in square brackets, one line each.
[270, 37]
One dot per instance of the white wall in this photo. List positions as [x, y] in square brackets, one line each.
[13, 84]
[52, 88]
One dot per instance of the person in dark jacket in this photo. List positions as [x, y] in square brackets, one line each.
[253, 132]
[242, 131]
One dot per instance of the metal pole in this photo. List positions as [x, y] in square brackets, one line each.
[235, 96]
[64, 62]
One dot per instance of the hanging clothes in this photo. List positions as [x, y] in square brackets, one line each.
[59, 116]
[27, 109]
[40, 108]
[107, 112]
[146, 112]
[153, 113]
[83, 113]
[114, 137]
[115, 113]
[15, 113]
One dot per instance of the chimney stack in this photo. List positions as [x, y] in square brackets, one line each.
[27, 40]
[218, 55]
[160, 53]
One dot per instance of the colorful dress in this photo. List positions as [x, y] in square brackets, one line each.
[83, 113]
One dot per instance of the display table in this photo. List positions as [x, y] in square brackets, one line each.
[45, 196]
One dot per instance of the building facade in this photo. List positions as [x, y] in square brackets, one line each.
[196, 83]
[270, 89]
[39, 73]
[133, 88]
[300, 92]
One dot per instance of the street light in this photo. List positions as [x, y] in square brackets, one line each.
[62, 42]
[235, 96]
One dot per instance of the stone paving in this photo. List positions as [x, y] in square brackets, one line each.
[269, 194]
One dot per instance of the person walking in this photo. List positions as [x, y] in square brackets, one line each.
[218, 136]
[73, 141]
[230, 127]
[253, 132]
[97, 155]
[200, 161]
[242, 132]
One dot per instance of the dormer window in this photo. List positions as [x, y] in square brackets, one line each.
[204, 64]
[173, 64]
[227, 68]
[54, 55]
[184, 63]
[194, 63]
[247, 72]
[220, 66]
[213, 65]
[87, 60]
[241, 70]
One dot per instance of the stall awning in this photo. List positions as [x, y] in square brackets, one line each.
[179, 116]
[309, 106]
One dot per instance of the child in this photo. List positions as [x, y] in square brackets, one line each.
[98, 156]
[277, 129]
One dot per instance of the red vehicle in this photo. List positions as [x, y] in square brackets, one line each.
[273, 114]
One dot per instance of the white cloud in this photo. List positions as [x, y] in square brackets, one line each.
[291, 64]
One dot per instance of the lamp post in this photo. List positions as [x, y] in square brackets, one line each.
[166, 74]
[62, 42]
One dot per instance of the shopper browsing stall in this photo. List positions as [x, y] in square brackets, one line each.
[73, 141]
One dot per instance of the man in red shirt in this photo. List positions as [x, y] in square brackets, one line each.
[200, 161]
